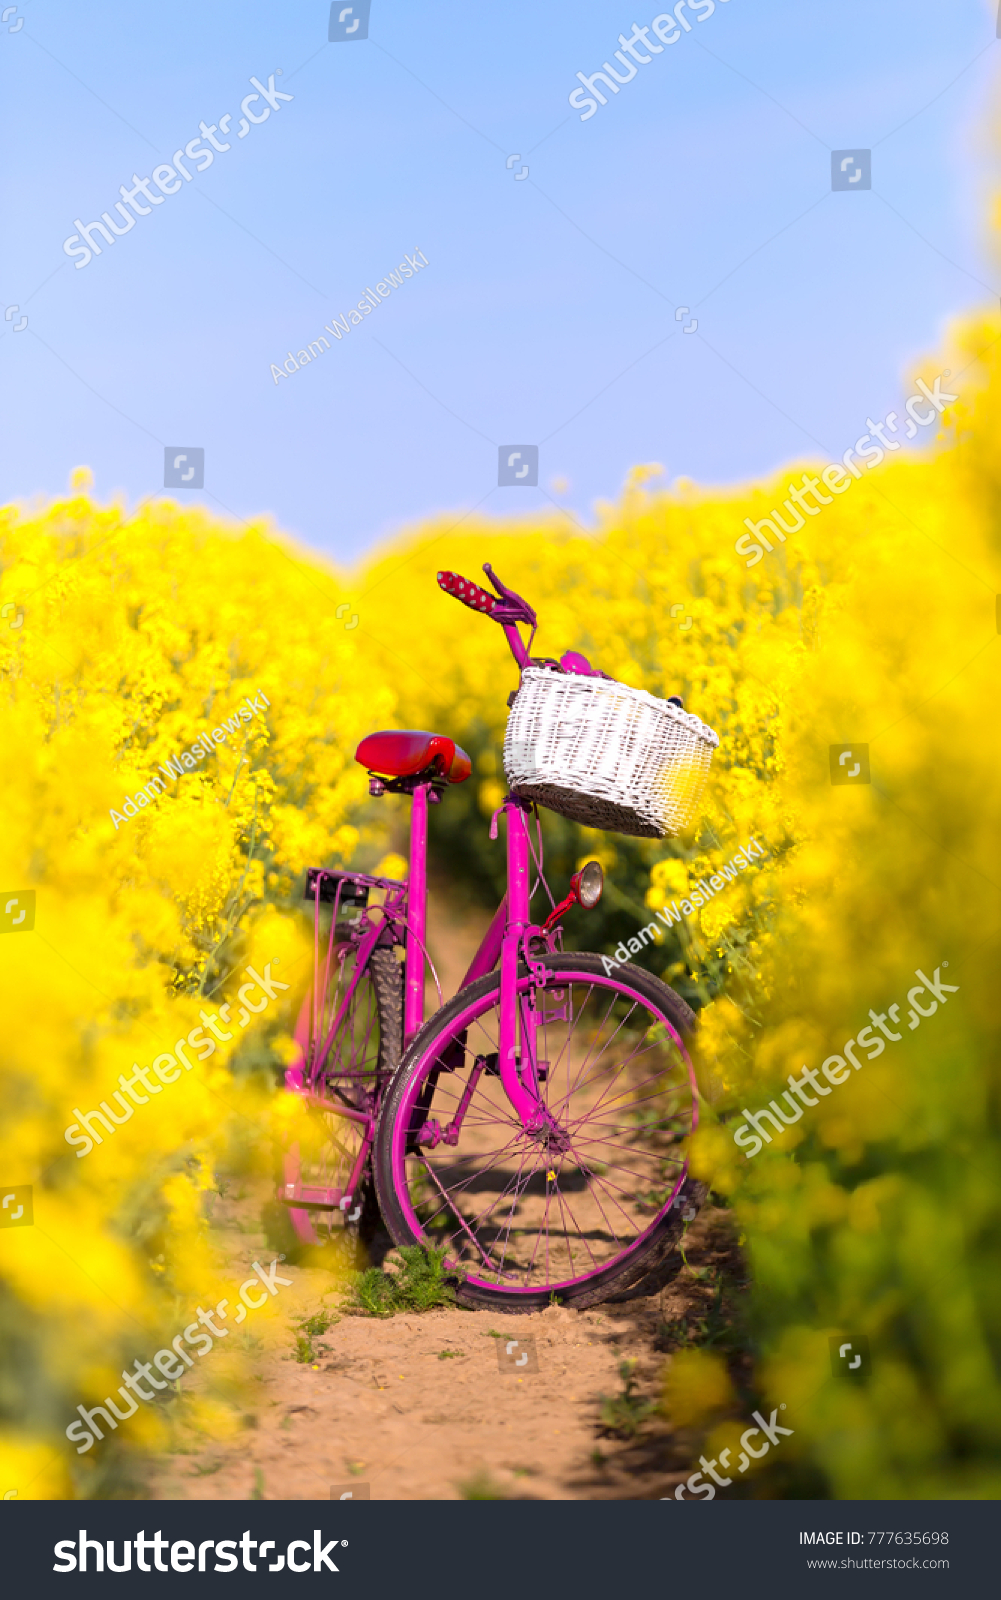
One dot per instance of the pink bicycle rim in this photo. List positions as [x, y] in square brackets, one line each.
[459, 1023]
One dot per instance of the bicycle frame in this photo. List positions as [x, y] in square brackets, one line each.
[506, 938]
[405, 920]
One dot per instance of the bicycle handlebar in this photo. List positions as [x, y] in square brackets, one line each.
[468, 592]
[511, 607]
[507, 608]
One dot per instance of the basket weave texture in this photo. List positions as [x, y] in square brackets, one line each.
[606, 755]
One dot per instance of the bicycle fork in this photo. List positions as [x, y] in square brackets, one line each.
[524, 1100]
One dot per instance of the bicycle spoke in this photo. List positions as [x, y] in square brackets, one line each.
[628, 1106]
[511, 1215]
[618, 1067]
[566, 1235]
[608, 1190]
[481, 1170]
[499, 1198]
[584, 1160]
[489, 1207]
[611, 1007]
[581, 1234]
[543, 1230]
[630, 1089]
[607, 1223]
[476, 1243]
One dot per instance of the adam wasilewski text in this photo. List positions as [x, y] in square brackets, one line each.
[188, 759]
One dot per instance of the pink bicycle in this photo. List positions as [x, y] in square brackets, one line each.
[534, 1127]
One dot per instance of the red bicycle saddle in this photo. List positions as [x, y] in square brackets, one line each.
[401, 753]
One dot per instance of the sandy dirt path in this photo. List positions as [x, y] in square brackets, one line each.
[432, 1406]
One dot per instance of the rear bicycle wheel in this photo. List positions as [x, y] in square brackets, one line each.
[320, 1170]
[589, 1207]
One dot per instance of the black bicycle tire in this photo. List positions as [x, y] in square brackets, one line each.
[645, 1268]
[387, 985]
[387, 982]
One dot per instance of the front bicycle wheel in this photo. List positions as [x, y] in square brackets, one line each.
[325, 1179]
[586, 1208]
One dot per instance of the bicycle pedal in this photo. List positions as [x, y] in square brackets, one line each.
[491, 1066]
[453, 1056]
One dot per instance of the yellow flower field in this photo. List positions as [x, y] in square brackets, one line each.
[875, 1213]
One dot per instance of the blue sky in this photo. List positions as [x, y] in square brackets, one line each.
[547, 311]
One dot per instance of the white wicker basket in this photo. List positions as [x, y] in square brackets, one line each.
[606, 755]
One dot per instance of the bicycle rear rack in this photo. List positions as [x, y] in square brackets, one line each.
[354, 886]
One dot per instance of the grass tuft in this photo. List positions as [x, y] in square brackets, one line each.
[420, 1283]
[481, 1487]
[622, 1414]
[311, 1328]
